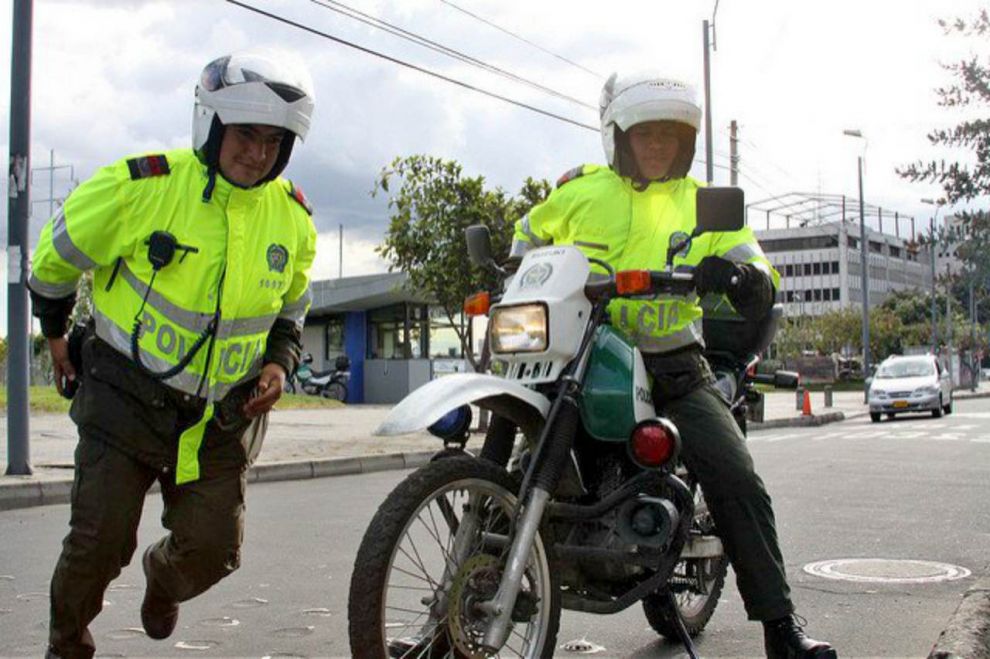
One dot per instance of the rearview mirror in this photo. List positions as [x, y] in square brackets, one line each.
[479, 244]
[720, 209]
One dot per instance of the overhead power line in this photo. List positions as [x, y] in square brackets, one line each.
[520, 38]
[414, 67]
[367, 19]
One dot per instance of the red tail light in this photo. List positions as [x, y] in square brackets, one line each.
[654, 443]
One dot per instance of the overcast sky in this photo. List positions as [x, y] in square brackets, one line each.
[116, 77]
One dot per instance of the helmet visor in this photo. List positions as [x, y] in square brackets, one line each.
[285, 75]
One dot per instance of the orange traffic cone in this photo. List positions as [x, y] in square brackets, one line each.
[806, 406]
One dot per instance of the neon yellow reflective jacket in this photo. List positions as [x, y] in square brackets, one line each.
[255, 248]
[602, 214]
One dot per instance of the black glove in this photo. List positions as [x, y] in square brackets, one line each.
[715, 275]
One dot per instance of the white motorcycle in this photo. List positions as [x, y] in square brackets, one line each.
[589, 511]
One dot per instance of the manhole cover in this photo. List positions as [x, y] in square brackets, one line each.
[884, 570]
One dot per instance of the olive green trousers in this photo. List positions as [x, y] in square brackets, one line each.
[205, 520]
[714, 449]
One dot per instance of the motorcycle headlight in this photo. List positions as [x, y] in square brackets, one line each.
[522, 328]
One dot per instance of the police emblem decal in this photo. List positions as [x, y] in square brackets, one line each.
[676, 239]
[535, 276]
[278, 257]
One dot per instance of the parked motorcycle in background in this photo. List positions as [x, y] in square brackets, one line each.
[590, 510]
[331, 383]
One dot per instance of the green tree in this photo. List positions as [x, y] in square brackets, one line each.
[429, 209]
[968, 180]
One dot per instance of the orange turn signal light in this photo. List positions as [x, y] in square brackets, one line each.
[478, 304]
[631, 282]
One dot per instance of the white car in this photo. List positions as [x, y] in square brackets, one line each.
[910, 384]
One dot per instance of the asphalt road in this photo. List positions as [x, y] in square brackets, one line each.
[914, 488]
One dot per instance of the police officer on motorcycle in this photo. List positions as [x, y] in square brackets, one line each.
[630, 214]
[200, 260]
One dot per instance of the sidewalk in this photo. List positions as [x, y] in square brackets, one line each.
[331, 442]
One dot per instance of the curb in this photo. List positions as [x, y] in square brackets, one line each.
[33, 493]
[799, 421]
[967, 634]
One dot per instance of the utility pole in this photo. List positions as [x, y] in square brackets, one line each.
[937, 203]
[733, 154]
[18, 212]
[340, 246]
[709, 157]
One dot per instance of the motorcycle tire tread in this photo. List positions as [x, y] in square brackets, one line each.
[655, 608]
[373, 558]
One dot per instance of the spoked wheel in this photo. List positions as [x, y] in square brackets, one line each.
[336, 391]
[432, 555]
[696, 584]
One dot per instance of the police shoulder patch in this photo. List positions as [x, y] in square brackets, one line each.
[148, 166]
[570, 175]
[297, 194]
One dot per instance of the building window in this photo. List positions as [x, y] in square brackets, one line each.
[793, 244]
[851, 242]
[444, 342]
[835, 294]
[398, 331]
[333, 344]
[875, 247]
[807, 296]
[816, 268]
[895, 252]
[835, 267]
[818, 295]
[827, 294]
[807, 269]
[788, 270]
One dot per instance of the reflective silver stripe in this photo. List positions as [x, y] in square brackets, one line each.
[192, 321]
[186, 381]
[246, 326]
[763, 267]
[599, 246]
[65, 247]
[296, 311]
[684, 337]
[742, 253]
[519, 248]
[54, 291]
[533, 239]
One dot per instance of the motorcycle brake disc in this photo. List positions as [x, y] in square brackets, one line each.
[476, 581]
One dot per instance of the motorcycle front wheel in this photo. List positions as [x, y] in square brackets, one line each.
[431, 554]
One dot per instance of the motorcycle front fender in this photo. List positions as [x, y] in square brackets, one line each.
[427, 404]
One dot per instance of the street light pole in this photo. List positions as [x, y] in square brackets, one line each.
[863, 264]
[938, 206]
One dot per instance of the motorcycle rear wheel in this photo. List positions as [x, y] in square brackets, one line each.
[405, 601]
[695, 604]
[335, 391]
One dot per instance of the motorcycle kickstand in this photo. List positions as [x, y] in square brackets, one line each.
[682, 631]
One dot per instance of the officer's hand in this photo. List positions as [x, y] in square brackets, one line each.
[65, 374]
[716, 275]
[269, 390]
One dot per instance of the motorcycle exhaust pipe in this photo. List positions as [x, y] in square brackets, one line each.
[647, 521]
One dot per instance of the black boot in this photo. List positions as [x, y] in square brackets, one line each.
[785, 639]
[159, 612]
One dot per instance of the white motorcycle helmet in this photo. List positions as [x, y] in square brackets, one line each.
[258, 87]
[634, 99]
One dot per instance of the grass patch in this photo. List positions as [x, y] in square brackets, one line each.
[45, 400]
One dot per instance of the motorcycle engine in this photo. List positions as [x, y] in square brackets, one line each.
[605, 533]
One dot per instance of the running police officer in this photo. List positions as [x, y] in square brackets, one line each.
[200, 260]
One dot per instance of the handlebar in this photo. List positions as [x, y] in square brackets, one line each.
[678, 282]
